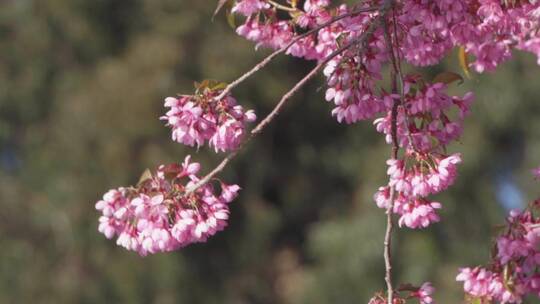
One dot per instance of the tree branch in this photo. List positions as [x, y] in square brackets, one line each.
[389, 212]
[396, 74]
[360, 40]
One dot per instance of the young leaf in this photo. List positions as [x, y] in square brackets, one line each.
[146, 176]
[464, 61]
[218, 86]
[203, 84]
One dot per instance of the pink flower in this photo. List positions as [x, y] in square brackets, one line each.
[197, 119]
[509, 249]
[418, 213]
[536, 173]
[424, 293]
[476, 281]
[382, 197]
[249, 7]
[445, 173]
[272, 35]
[189, 127]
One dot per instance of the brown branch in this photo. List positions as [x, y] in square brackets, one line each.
[389, 212]
[396, 74]
[388, 248]
[360, 40]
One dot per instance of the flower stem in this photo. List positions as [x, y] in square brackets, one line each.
[282, 7]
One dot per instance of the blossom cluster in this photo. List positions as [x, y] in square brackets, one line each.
[425, 30]
[422, 34]
[160, 215]
[424, 128]
[513, 271]
[200, 118]
[423, 294]
[425, 175]
[266, 29]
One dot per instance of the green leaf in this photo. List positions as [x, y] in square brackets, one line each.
[231, 19]
[473, 300]
[218, 86]
[476, 301]
[448, 78]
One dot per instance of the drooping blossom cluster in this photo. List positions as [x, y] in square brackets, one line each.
[423, 294]
[514, 270]
[424, 128]
[352, 84]
[196, 119]
[159, 215]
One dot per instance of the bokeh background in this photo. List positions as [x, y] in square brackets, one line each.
[81, 90]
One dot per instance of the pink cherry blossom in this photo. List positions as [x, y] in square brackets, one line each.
[536, 172]
[249, 7]
[476, 281]
[424, 294]
[158, 215]
[197, 119]
[418, 213]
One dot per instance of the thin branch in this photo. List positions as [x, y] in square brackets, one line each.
[396, 69]
[396, 75]
[388, 247]
[274, 54]
[389, 212]
[360, 40]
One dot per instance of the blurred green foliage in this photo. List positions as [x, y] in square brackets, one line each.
[81, 89]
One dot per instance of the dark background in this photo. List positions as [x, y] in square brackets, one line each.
[81, 90]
